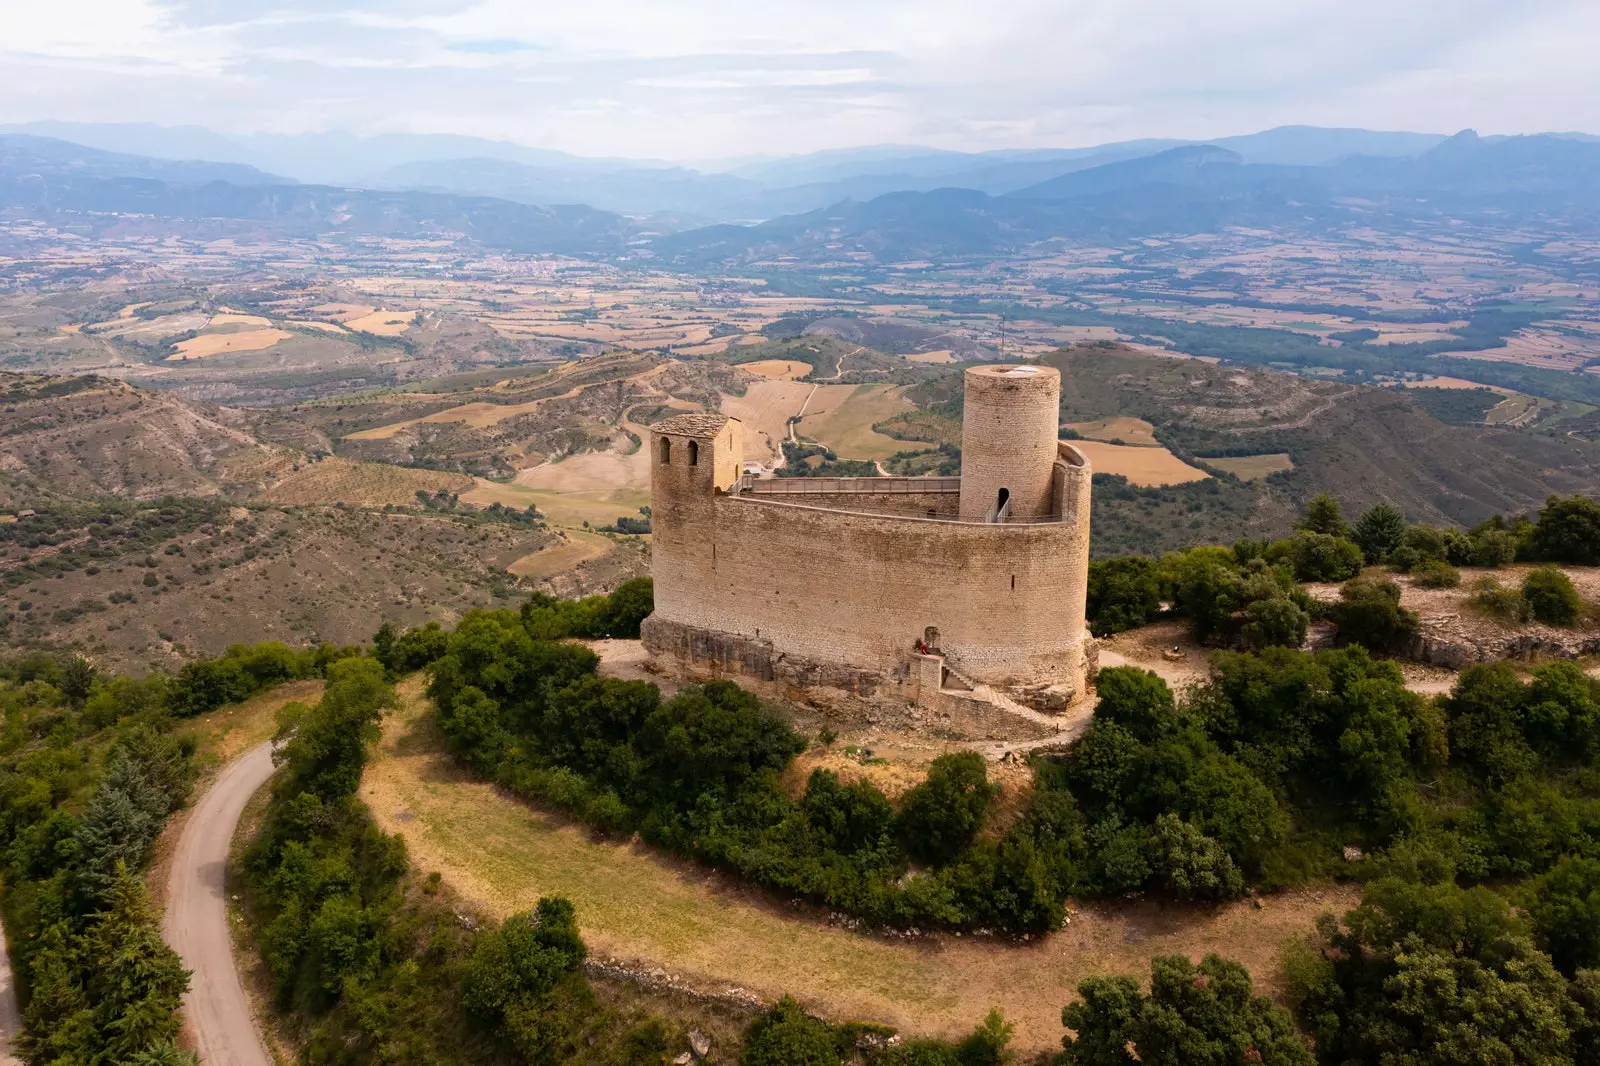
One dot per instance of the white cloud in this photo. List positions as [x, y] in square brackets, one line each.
[700, 78]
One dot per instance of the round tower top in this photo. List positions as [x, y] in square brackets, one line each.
[1013, 371]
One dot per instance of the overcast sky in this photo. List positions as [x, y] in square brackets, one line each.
[697, 79]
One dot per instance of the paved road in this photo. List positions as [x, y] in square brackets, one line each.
[196, 923]
[10, 1015]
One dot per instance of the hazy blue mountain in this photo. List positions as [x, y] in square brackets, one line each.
[1191, 189]
[1192, 165]
[751, 188]
[336, 157]
[1314, 146]
[21, 154]
[85, 201]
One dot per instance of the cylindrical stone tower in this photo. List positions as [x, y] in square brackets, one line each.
[1008, 441]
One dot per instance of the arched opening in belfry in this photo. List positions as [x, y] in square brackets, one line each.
[694, 453]
[665, 447]
[1002, 501]
[930, 637]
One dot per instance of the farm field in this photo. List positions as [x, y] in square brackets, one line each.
[575, 547]
[1455, 383]
[765, 409]
[778, 369]
[208, 344]
[1141, 466]
[382, 323]
[1253, 467]
[570, 509]
[847, 427]
[1124, 429]
[637, 905]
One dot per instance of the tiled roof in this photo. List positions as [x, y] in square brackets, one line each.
[695, 425]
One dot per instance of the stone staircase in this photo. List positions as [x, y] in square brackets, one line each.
[983, 700]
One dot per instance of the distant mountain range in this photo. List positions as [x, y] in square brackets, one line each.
[1192, 189]
[746, 190]
[891, 203]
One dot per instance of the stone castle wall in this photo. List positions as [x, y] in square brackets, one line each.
[838, 586]
[838, 581]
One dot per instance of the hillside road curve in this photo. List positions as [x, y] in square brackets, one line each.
[10, 1015]
[216, 1009]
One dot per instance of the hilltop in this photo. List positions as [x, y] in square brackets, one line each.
[91, 435]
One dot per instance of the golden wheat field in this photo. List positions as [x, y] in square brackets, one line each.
[778, 369]
[254, 340]
[1122, 428]
[383, 323]
[1142, 466]
[1253, 467]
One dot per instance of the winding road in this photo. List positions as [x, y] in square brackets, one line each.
[216, 1009]
[10, 1015]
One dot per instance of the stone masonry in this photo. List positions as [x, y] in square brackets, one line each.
[834, 584]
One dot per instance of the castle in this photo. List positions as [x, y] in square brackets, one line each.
[881, 586]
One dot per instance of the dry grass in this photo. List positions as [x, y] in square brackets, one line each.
[576, 547]
[478, 415]
[944, 355]
[636, 904]
[1142, 466]
[229, 318]
[235, 729]
[335, 480]
[326, 327]
[221, 343]
[777, 369]
[847, 428]
[1457, 383]
[1127, 430]
[1253, 467]
[765, 409]
[598, 507]
[382, 323]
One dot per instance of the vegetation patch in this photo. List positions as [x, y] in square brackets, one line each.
[1252, 467]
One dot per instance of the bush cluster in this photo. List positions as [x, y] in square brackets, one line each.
[374, 963]
[699, 774]
[1245, 595]
[246, 669]
[89, 772]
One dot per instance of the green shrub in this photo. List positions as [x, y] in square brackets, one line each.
[1494, 548]
[1193, 1014]
[1320, 557]
[1275, 623]
[1497, 600]
[1379, 531]
[788, 1036]
[939, 817]
[1369, 613]
[1551, 597]
[1124, 593]
[1568, 531]
[1435, 574]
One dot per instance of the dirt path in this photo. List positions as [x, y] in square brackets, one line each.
[216, 1009]
[10, 1014]
[641, 907]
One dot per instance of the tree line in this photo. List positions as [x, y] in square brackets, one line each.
[1249, 595]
